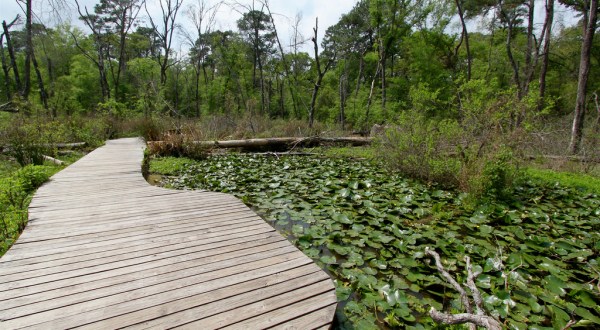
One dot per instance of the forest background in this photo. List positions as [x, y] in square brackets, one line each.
[503, 65]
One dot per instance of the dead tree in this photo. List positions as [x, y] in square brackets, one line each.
[11, 52]
[320, 74]
[169, 9]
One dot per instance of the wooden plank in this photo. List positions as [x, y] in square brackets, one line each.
[105, 269]
[280, 315]
[208, 233]
[94, 310]
[103, 249]
[212, 302]
[320, 319]
[117, 261]
[251, 315]
[110, 248]
[72, 295]
[152, 223]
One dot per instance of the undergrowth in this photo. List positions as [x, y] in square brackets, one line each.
[16, 191]
[567, 179]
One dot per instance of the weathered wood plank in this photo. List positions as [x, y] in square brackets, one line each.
[104, 249]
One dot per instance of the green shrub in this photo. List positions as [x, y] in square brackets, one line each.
[446, 153]
[15, 194]
[419, 148]
[25, 142]
[491, 176]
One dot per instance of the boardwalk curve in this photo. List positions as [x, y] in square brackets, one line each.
[104, 249]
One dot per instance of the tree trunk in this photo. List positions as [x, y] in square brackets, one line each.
[197, 93]
[383, 83]
[121, 64]
[320, 75]
[597, 125]
[43, 95]
[513, 63]
[263, 104]
[28, 49]
[102, 72]
[529, 62]
[584, 70]
[465, 37]
[369, 100]
[11, 54]
[342, 91]
[5, 69]
[276, 143]
[286, 67]
[546, 52]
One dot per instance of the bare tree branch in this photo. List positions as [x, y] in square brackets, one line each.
[480, 318]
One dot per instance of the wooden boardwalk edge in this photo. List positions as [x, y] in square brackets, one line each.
[104, 249]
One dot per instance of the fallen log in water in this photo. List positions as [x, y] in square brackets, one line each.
[276, 143]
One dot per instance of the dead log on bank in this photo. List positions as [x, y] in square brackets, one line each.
[53, 160]
[276, 143]
[66, 145]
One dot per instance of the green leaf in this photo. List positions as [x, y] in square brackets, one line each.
[559, 317]
[328, 260]
[586, 314]
[342, 218]
[555, 285]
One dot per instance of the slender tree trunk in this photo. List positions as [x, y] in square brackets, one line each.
[383, 83]
[5, 69]
[465, 37]
[102, 72]
[369, 100]
[197, 93]
[546, 52]
[286, 67]
[361, 65]
[28, 49]
[263, 104]
[121, 65]
[43, 95]
[361, 68]
[529, 59]
[11, 54]
[320, 75]
[513, 62]
[342, 91]
[584, 70]
[597, 125]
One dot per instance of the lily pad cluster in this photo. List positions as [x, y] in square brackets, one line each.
[368, 228]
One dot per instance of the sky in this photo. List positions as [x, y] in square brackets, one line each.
[284, 11]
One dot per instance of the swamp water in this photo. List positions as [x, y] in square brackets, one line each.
[368, 228]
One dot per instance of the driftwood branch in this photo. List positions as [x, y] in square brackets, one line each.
[438, 264]
[474, 291]
[479, 318]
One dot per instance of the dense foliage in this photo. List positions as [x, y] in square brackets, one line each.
[369, 227]
[16, 190]
[385, 57]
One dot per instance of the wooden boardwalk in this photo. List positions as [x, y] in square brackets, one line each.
[104, 249]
